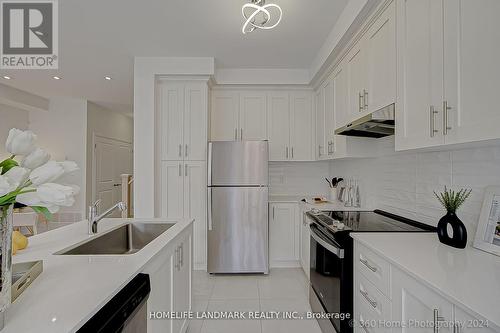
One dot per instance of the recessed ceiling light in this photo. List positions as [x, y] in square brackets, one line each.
[56, 77]
[7, 77]
[109, 78]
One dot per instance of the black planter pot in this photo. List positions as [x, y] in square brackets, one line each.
[459, 237]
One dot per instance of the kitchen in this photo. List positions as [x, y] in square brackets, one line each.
[303, 190]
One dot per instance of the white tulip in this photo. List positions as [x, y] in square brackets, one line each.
[5, 186]
[57, 194]
[17, 176]
[29, 199]
[46, 173]
[36, 158]
[69, 166]
[20, 142]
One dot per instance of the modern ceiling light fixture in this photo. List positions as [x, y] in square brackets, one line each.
[263, 16]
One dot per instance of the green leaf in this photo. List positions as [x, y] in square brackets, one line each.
[44, 211]
[8, 164]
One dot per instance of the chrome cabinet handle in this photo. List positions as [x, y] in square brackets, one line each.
[180, 170]
[437, 319]
[177, 258]
[286, 152]
[446, 127]
[181, 255]
[360, 102]
[209, 209]
[235, 134]
[186, 151]
[365, 295]
[292, 152]
[273, 212]
[241, 134]
[185, 170]
[365, 99]
[319, 150]
[432, 113]
[180, 150]
[367, 264]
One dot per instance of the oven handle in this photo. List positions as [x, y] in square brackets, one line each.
[333, 249]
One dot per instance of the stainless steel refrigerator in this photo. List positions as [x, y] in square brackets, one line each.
[238, 227]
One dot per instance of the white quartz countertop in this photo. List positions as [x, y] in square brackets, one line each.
[71, 289]
[308, 205]
[468, 278]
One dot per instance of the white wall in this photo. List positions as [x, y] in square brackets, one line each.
[403, 183]
[9, 118]
[107, 123]
[298, 178]
[62, 131]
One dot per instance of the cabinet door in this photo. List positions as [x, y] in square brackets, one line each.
[341, 106]
[329, 117]
[467, 323]
[195, 207]
[357, 81]
[319, 99]
[278, 125]
[181, 283]
[282, 233]
[224, 116]
[381, 47]
[171, 109]
[195, 121]
[420, 69]
[253, 116]
[472, 73]
[172, 190]
[414, 302]
[305, 241]
[301, 125]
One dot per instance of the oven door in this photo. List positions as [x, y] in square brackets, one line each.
[327, 271]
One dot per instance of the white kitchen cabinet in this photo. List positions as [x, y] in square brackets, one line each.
[181, 282]
[301, 126]
[414, 302]
[340, 96]
[356, 66]
[290, 123]
[283, 235]
[253, 116]
[319, 102]
[182, 110]
[278, 124]
[183, 195]
[305, 243]
[381, 57]
[224, 114]
[466, 323]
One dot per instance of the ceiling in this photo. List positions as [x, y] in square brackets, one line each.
[99, 38]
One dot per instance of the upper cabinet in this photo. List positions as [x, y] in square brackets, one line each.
[325, 120]
[356, 66]
[182, 112]
[238, 116]
[448, 72]
[278, 120]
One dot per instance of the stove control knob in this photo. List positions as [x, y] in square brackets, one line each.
[340, 226]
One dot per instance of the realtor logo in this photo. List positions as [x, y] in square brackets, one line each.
[29, 37]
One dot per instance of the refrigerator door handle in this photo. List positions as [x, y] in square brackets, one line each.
[209, 166]
[209, 209]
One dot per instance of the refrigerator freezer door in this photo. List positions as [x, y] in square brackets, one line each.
[240, 163]
[238, 230]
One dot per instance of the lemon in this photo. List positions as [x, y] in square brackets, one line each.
[19, 240]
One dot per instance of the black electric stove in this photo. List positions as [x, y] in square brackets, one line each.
[331, 270]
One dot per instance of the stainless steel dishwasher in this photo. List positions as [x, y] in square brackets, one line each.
[126, 312]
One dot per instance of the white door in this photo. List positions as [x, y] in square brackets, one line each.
[171, 107]
[320, 123]
[172, 189]
[414, 302]
[253, 116]
[301, 126]
[112, 158]
[328, 90]
[282, 233]
[224, 116]
[195, 121]
[278, 125]
[181, 283]
[357, 81]
[471, 72]
[195, 207]
[381, 46]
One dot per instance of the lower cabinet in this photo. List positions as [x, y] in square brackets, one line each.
[283, 235]
[305, 243]
[170, 276]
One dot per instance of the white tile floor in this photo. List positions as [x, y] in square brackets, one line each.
[282, 290]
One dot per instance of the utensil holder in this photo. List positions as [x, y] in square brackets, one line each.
[333, 194]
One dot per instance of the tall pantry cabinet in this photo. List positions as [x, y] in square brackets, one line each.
[182, 120]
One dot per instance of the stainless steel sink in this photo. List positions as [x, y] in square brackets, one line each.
[127, 239]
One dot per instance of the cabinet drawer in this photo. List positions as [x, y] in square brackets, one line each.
[374, 268]
[373, 307]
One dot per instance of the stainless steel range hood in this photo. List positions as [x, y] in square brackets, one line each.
[374, 125]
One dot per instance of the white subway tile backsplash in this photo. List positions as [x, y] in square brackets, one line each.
[298, 178]
[403, 182]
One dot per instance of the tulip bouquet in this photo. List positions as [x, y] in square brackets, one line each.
[31, 181]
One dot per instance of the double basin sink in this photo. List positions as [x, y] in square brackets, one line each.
[126, 239]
